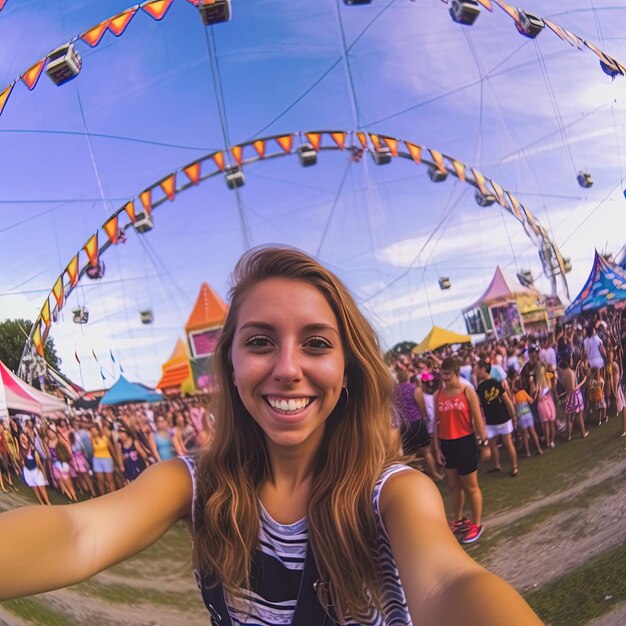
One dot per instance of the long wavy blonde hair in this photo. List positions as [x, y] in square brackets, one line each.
[356, 447]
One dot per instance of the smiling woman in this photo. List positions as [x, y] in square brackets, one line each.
[300, 508]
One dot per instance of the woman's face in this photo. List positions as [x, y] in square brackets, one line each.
[288, 359]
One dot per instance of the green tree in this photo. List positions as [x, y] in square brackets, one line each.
[13, 334]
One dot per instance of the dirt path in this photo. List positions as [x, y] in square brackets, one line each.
[564, 540]
[617, 617]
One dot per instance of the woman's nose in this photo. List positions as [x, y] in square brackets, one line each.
[287, 367]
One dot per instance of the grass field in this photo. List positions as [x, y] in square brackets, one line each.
[570, 483]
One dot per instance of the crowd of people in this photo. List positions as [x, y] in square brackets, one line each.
[456, 407]
[87, 453]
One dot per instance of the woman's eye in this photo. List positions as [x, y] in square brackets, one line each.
[258, 341]
[318, 343]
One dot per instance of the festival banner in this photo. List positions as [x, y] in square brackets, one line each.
[38, 343]
[459, 168]
[57, 290]
[111, 228]
[218, 159]
[339, 139]
[157, 8]
[129, 207]
[145, 197]
[438, 159]
[168, 185]
[487, 4]
[45, 312]
[237, 152]
[31, 76]
[119, 23]
[193, 172]
[4, 96]
[362, 137]
[375, 139]
[285, 142]
[72, 271]
[315, 139]
[499, 193]
[392, 144]
[93, 36]
[480, 181]
[91, 248]
[259, 146]
[415, 151]
[515, 206]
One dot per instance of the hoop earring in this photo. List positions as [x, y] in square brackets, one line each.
[347, 399]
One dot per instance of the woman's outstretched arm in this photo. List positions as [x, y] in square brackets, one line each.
[442, 584]
[44, 548]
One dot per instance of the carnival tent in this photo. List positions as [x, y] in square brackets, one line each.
[606, 285]
[17, 395]
[502, 287]
[438, 337]
[124, 391]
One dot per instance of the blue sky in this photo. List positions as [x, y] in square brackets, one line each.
[527, 114]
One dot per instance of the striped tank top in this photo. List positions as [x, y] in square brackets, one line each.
[278, 563]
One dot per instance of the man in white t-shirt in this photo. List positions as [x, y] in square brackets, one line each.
[594, 349]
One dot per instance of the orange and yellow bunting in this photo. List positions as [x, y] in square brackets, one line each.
[375, 141]
[218, 159]
[4, 96]
[259, 146]
[192, 172]
[459, 168]
[145, 197]
[480, 181]
[91, 248]
[339, 139]
[168, 185]
[57, 291]
[285, 142]
[93, 36]
[415, 151]
[38, 343]
[45, 312]
[31, 76]
[129, 207]
[157, 8]
[72, 271]
[362, 137]
[315, 139]
[237, 152]
[392, 144]
[438, 159]
[111, 228]
[119, 23]
[487, 4]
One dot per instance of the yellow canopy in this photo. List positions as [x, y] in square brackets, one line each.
[438, 337]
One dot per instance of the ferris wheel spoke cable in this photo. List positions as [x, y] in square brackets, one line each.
[315, 83]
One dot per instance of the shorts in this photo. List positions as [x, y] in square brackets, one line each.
[34, 477]
[415, 435]
[493, 430]
[546, 408]
[461, 454]
[524, 415]
[103, 466]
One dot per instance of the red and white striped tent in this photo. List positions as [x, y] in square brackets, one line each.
[17, 395]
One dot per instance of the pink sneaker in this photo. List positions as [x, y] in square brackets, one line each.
[473, 533]
[460, 526]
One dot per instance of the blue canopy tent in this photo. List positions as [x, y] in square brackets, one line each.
[605, 286]
[124, 391]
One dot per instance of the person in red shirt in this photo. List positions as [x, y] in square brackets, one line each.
[459, 428]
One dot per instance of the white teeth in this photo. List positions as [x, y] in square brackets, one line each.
[291, 404]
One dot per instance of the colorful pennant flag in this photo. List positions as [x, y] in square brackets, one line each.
[565, 35]
[91, 248]
[499, 193]
[605, 58]
[2, 3]
[438, 159]
[480, 181]
[285, 142]
[45, 313]
[218, 159]
[31, 76]
[237, 152]
[129, 207]
[515, 206]
[415, 151]
[362, 137]
[168, 185]
[4, 96]
[193, 172]
[37, 339]
[459, 168]
[57, 290]
[487, 4]
[111, 228]
[315, 139]
[512, 11]
[375, 141]
[339, 139]
[259, 146]
[145, 197]
[119, 23]
[72, 271]
[93, 36]
[157, 8]
[392, 144]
